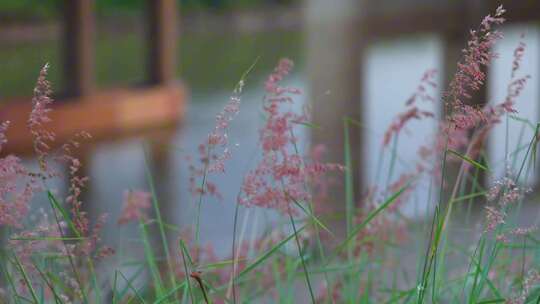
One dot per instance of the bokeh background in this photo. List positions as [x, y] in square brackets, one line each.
[361, 59]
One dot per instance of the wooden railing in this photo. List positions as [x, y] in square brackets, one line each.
[111, 113]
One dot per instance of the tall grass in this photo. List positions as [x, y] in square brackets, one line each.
[383, 256]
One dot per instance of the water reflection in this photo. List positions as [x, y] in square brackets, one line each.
[121, 165]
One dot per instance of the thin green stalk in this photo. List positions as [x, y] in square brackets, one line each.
[392, 161]
[311, 214]
[380, 161]
[370, 217]
[199, 203]
[10, 281]
[301, 255]
[237, 90]
[477, 270]
[523, 256]
[137, 294]
[349, 186]
[97, 288]
[137, 273]
[56, 206]
[473, 191]
[183, 251]
[268, 254]
[170, 293]
[506, 143]
[531, 144]
[496, 247]
[26, 279]
[236, 254]
[161, 227]
[442, 222]
[471, 262]
[150, 259]
[201, 287]
[233, 275]
[114, 293]
[519, 142]
[49, 284]
[428, 259]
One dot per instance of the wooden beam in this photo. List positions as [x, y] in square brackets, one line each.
[78, 47]
[440, 18]
[162, 40]
[105, 115]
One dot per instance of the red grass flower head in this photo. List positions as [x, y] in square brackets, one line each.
[39, 116]
[471, 75]
[282, 175]
[215, 151]
[135, 202]
[413, 111]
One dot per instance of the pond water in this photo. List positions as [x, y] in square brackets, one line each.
[393, 70]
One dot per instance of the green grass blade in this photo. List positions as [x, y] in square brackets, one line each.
[170, 293]
[371, 216]
[477, 270]
[123, 292]
[94, 279]
[301, 255]
[151, 260]
[185, 254]
[115, 281]
[49, 284]
[469, 196]
[26, 279]
[185, 249]
[500, 300]
[313, 217]
[161, 227]
[267, 254]
[218, 265]
[308, 124]
[65, 215]
[128, 282]
[523, 120]
[349, 183]
[10, 281]
[469, 160]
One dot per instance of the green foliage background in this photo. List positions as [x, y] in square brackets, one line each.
[13, 10]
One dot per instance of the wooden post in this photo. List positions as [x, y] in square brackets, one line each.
[79, 48]
[162, 39]
[335, 49]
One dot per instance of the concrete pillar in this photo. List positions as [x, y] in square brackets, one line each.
[455, 39]
[335, 45]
